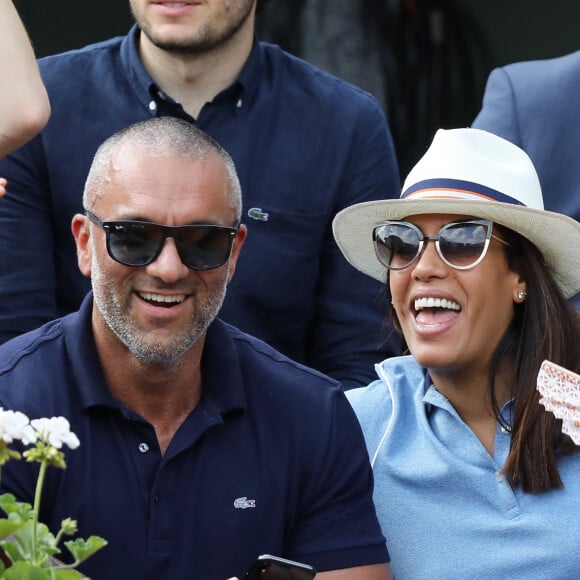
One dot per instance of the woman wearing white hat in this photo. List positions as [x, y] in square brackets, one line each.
[473, 477]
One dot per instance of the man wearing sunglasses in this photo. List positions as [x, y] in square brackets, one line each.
[201, 446]
[305, 144]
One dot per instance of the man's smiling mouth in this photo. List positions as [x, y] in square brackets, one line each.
[162, 299]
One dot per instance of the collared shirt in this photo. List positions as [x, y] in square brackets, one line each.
[445, 508]
[271, 460]
[305, 144]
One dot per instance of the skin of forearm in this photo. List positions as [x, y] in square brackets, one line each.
[24, 104]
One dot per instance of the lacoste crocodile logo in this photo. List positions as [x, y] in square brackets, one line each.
[244, 503]
[256, 213]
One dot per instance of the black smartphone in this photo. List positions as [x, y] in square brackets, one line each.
[267, 567]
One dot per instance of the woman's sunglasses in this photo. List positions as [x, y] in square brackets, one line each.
[135, 243]
[461, 245]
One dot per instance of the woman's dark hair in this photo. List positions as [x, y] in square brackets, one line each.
[545, 326]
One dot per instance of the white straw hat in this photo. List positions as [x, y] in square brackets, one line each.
[475, 173]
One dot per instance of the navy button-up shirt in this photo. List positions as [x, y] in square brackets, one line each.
[305, 144]
[272, 460]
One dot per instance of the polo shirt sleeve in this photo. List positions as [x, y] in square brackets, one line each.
[338, 527]
[373, 407]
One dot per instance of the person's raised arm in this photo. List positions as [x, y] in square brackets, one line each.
[24, 104]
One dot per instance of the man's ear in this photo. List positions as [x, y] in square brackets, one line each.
[237, 246]
[82, 234]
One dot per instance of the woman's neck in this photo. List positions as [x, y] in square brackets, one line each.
[470, 395]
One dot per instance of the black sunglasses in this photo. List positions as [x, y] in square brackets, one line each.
[461, 245]
[135, 243]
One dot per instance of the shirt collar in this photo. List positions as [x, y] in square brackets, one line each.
[137, 76]
[86, 370]
[223, 388]
[434, 398]
[253, 72]
[146, 89]
[222, 375]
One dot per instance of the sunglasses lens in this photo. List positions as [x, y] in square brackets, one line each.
[200, 247]
[396, 245]
[204, 248]
[134, 244]
[462, 244]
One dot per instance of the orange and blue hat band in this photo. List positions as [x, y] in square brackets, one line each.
[456, 189]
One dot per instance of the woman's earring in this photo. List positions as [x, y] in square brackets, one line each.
[522, 295]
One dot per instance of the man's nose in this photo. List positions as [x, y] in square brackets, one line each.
[168, 265]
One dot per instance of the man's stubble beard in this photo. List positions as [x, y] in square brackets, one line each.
[208, 39]
[122, 324]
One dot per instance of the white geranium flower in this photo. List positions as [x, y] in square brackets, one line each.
[55, 431]
[16, 425]
[31, 548]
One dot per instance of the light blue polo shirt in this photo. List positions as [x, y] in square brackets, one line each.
[444, 507]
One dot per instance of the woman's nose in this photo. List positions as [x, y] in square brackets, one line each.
[429, 263]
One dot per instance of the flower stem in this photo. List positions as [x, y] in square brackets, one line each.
[36, 508]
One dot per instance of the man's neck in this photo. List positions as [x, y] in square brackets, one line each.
[163, 395]
[195, 79]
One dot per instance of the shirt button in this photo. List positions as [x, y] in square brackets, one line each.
[152, 106]
[156, 500]
[499, 476]
[143, 447]
[239, 104]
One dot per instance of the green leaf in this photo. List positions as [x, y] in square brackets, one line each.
[25, 571]
[10, 525]
[12, 551]
[82, 549]
[67, 574]
[45, 541]
[9, 504]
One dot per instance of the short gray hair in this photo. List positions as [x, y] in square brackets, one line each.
[161, 137]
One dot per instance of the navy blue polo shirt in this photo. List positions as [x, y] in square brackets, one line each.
[305, 144]
[272, 460]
